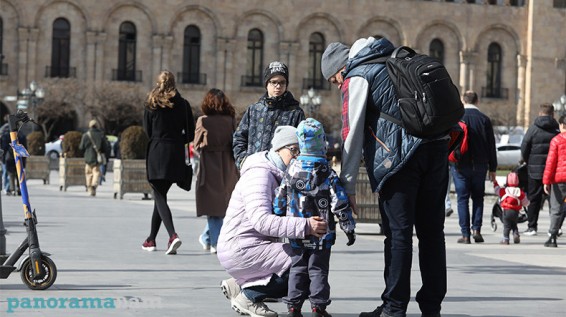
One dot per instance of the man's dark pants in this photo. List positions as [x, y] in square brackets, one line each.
[414, 196]
[535, 195]
[469, 180]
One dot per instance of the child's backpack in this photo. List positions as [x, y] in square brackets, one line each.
[460, 150]
[428, 100]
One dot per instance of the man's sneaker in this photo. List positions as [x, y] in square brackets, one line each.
[463, 240]
[319, 312]
[294, 312]
[149, 245]
[242, 305]
[504, 241]
[174, 244]
[203, 242]
[376, 312]
[448, 212]
[477, 237]
[530, 232]
[230, 288]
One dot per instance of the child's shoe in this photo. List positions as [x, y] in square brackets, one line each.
[516, 238]
[294, 312]
[320, 312]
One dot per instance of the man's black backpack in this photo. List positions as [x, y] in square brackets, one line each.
[428, 100]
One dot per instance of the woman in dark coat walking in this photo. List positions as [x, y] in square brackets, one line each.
[169, 123]
[217, 174]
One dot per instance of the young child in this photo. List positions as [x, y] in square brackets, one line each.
[513, 199]
[311, 188]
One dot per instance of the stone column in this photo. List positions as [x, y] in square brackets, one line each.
[225, 64]
[522, 111]
[288, 55]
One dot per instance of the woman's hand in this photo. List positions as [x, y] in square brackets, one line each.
[317, 226]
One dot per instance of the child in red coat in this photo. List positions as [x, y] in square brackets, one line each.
[513, 198]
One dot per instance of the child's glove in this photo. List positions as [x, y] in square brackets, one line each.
[351, 238]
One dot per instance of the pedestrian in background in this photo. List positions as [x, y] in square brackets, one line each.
[555, 177]
[410, 175]
[169, 124]
[92, 142]
[217, 174]
[276, 107]
[513, 198]
[534, 150]
[470, 171]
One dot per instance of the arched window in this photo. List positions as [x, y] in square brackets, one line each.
[60, 48]
[191, 56]
[436, 50]
[127, 53]
[494, 60]
[316, 48]
[254, 61]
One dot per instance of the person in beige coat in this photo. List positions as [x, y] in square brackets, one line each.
[217, 174]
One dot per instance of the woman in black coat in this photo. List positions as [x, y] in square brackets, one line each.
[166, 118]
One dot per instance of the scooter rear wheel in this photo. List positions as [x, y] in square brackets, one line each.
[42, 283]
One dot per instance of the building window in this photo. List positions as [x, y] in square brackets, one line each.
[191, 57]
[127, 53]
[494, 62]
[316, 48]
[254, 61]
[60, 49]
[3, 67]
[560, 4]
[436, 50]
[517, 3]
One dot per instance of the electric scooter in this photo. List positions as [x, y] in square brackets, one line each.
[37, 270]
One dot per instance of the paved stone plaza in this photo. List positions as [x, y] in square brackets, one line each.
[96, 245]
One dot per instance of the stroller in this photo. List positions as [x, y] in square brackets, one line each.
[497, 211]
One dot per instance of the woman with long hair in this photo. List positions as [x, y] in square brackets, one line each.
[169, 123]
[217, 174]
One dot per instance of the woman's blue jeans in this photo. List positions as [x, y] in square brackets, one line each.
[212, 230]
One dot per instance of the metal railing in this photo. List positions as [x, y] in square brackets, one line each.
[60, 72]
[3, 69]
[127, 75]
[495, 93]
[316, 83]
[252, 81]
[191, 78]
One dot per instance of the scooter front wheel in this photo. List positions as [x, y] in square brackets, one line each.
[40, 283]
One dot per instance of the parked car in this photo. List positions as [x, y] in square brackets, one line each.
[54, 149]
[508, 155]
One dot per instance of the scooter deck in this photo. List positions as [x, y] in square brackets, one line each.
[5, 271]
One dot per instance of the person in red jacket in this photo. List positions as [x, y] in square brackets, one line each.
[513, 198]
[555, 175]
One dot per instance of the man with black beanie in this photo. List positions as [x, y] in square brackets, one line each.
[276, 107]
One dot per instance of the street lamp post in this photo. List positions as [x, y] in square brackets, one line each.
[311, 102]
[31, 98]
[560, 105]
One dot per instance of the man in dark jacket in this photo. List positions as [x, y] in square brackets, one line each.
[410, 174]
[470, 171]
[534, 150]
[276, 107]
[93, 141]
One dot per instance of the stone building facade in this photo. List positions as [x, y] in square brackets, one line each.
[509, 51]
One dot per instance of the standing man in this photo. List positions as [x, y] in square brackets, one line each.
[470, 171]
[92, 141]
[276, 107]
[534, 150]
[410, 174]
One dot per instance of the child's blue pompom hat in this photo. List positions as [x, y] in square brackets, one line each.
[312, 139]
